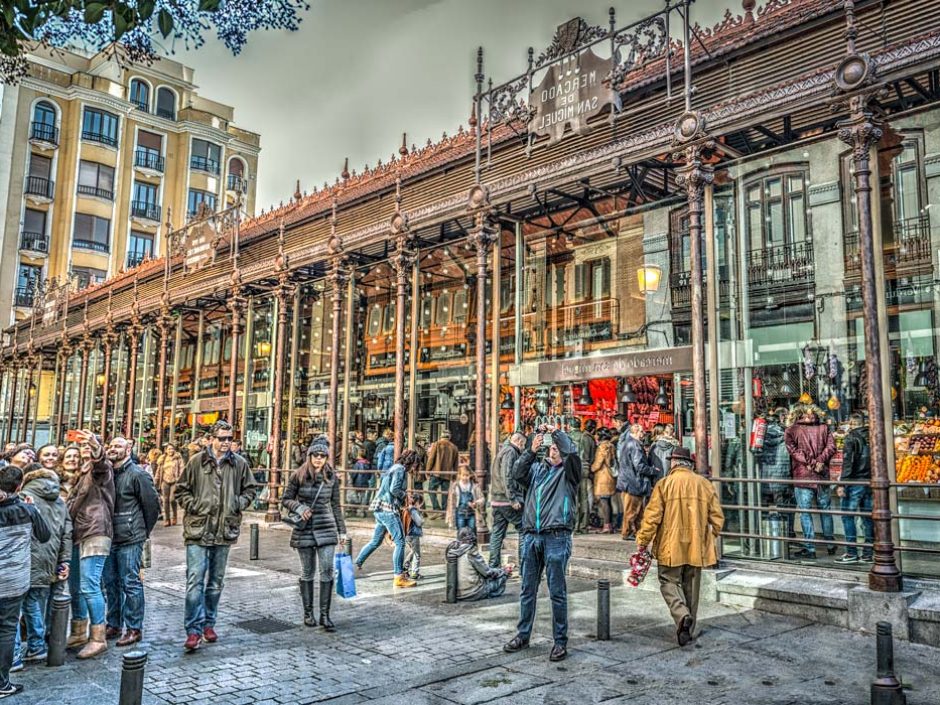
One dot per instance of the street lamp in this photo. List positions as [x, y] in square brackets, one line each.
[263, 348]
[648, 277]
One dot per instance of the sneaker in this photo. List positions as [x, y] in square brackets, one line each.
[33, 656]
[847, 558]
[10, 689]
[192, 643]
[17, 664]
[209, 636]
[805, 554]
[403, 581]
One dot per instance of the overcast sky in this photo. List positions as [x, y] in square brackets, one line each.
[360, 72]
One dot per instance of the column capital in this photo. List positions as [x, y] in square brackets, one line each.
[862, 130]
[695, 174]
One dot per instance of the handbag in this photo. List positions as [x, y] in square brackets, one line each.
[294, 518]
[345, 576]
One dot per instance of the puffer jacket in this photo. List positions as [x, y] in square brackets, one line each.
[19, 524]
[659, 456]
[773, 459]
[320, 494]
[46, 556]
[136, 504]
[635, 474]
[856, 459]
[168, 470]
[605, 484]
[91, 501]
[808, 445]
[213, 494]
[550, 492]
[499, 483]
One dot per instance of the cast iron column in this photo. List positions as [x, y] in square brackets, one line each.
[134, 343]
[27, 398]
[15, 375]
[236, 304]
[861, 132]
[338, 278]
[65, 354]
[84, 348]
[401, 262]
[693, 177]
[107, 341]
[284, 293]
[163, 325]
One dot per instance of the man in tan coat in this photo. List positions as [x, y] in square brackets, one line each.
[681, 522]
[441, 469]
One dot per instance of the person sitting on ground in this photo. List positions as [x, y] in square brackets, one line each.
[476, 580]
[464, 501]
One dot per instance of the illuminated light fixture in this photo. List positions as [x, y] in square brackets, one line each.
[263, 348]
[586, 395]
[32, 389]
[507, 402]
[662, 401]
[648, 277]
[99, 380]
[628, 397]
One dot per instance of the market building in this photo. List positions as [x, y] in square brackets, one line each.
[741, 225]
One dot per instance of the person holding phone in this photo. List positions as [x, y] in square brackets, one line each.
[91, 507]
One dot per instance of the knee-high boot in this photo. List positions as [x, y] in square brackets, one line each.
[306, 595]
[326, 598]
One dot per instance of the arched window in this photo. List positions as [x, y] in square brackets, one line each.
[166, 103]
[43, 127]
[236, 174]
[140, 95]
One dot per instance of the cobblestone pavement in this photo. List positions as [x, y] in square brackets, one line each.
[408, 646]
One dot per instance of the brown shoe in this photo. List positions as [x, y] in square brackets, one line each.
[131, 636]
[96, 645]
[78, 634]
[112, 633]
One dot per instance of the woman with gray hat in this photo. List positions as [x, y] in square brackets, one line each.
[312, 497]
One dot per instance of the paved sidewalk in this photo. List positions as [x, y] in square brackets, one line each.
[407, 646]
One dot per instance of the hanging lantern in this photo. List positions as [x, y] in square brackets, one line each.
[628, 397]
[507, 402]
[648, 277]
[263, 348]
[662, 401]
[785, 389]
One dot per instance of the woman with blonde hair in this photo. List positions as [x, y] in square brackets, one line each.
[167, 471]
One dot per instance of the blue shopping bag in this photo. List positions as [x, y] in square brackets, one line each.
[345, 576]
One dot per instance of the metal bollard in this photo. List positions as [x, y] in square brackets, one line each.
[58, 628]
[603, 610]
[451, 580]
[886, 689]
[253, 550]
[132, 678]
[348, 546]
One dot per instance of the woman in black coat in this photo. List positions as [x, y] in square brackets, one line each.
[312, 495]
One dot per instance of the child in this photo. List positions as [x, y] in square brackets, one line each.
[464, 501]
[413, 539]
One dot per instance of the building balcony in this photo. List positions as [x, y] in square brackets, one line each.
[34, 243]
[100, 138]
[166, 114]
[149, 161]
[95, 192]
[93, 245]
[39, 188]
[236, 183]
[44, 135]
[908, 254]
[141, 105]
[23, 296]
[135, 258]
[144, 210]
[198, 163]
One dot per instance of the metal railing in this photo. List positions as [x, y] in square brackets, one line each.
[24, 296]
[135, 258]
[911, 244]
[166, 113]
[142, 105]
[236, 183]
[43, 132]
[93, 245]
[100, 137]
[146, 159]
[146, 210]
[39, 186]
[95, 191]
[200, 163]
[781, 266]
[34, 242]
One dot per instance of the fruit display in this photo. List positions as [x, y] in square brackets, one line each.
[917, 451]
[918, 468]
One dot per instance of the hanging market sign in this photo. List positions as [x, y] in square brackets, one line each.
[571, 92]
[653, 362]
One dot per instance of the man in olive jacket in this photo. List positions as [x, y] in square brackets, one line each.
[214, 490]
[682, 521]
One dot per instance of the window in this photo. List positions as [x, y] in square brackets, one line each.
[91, 233]
[144, 203]
[424, 318]
[149, 149]
[236, 175]
[140, 95]
[139, 248]
[43, 127]
[388, 318]
[86, 276]
[27, 278]
[592, 280]
[375, 320]
[166, 103]
[33, 237]
[100, 126]
[197, 198]
[461, 305]
[96, 179]
[38, 182]
[442, 317]
[205, 156]
[907, 181]
[776, 210]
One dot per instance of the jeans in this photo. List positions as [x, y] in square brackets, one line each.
[123, 587]
[804, 500]
[34, 614]
[437, 488]
[466, 520]
[549, 553]
[503, 516]
[85, 585]
[310, 556]
[205, 578]
[169, 502]
[413, 555]
[585, 503]
[386, 522]
[9, 623]
[858, 498]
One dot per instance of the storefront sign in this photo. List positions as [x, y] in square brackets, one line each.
[571, 91]
[653, 362]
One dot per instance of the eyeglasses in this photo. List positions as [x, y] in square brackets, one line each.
[224, 439]
[318, 455]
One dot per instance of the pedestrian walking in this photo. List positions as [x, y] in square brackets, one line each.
[168, 471]
[549, 483]
[506, 506]
[465, 501]
[856, 465]
[441, 468]
[476, 580]
[313, 494]
[605, 484]
[215, 488]
[413, 535]
[682, 521]
[49, 560]
[587, 447]
[20, 522]
[660, 450]
[386, 507]
[91, 506]
[634, 479]
[136, 509]
[811, 446]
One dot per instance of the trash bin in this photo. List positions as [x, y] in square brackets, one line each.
[774, 525]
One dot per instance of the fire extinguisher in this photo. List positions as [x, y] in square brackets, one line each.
[758, 429]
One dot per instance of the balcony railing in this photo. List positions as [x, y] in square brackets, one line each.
[95, 191]
[23, 296]
[166, 113]
[43, 132]
[93, 245]
[39, 186]
[146, 210]
[142, 105]
[146, 159]
[236, 183]
[200, 163]
[911, 246]
[135, 258]
[100, 137]
[786, 266]
[34, 242]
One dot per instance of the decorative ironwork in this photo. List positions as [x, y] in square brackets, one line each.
[572, 36]
[637, 45]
